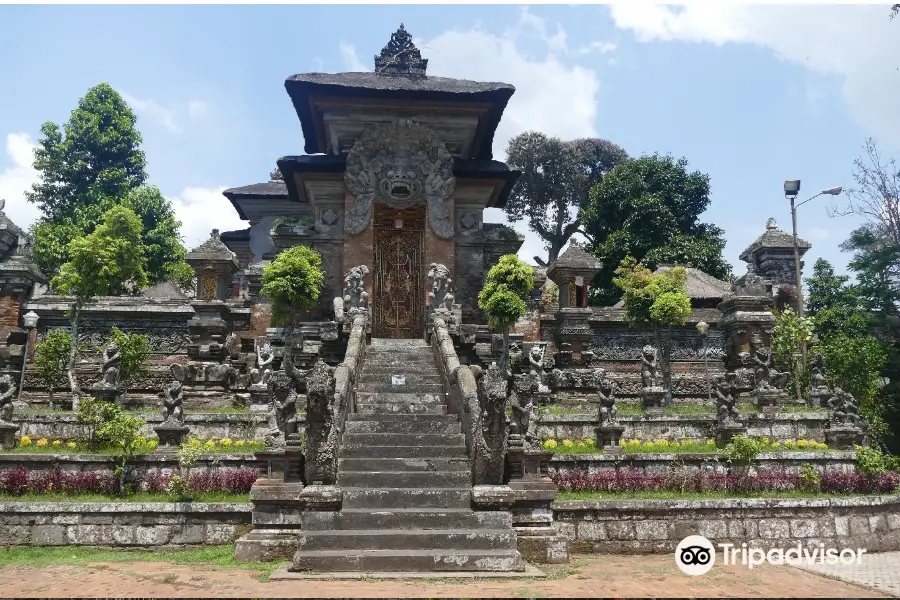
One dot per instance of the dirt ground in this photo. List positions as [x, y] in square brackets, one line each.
[610, 576]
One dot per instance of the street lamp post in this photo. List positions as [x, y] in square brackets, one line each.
[31, 320]
[703, 328]
[791, 190]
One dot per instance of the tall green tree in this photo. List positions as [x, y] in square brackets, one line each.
[834, 305]
[556, 178]
[87, 166]
[109, 261]
[292, 283]
[658, 301]
[649, 208]
[506, 289]
[51, 357]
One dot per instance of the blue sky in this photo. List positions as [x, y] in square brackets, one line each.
[749, 95]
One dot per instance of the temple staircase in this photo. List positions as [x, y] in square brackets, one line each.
[406, 481]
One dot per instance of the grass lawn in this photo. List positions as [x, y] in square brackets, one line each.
[212, 557]
[666, 495]
[139, 497]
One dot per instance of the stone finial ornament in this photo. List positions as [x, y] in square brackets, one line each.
[401, 57]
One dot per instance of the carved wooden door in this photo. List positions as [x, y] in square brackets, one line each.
[399, 272]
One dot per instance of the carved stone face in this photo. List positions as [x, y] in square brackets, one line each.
[649, 352]
[403, 181]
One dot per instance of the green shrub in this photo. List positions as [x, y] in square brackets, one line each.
[743, 450]
[871, 462]
[812, 480]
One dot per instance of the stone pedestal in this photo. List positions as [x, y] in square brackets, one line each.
[8, 433]
[819, 397]
[653, 399]
[844, 438]
[260, 401]
[608, 437]
[105, 394]
[771, 400]
[276, 522]
[171, 435]
[726, 433]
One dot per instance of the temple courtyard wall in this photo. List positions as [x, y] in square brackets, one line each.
[599, 526]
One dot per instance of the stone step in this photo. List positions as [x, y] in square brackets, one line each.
[396, 465]
[393, 417]
[352, 450]
[405, 518]
[399, 397]
[374, 426]
[373, 561]
[388, 360]
[407, 498]
[368, 380]
[393, 343]
[400, 539]
[405, 479]
[403, 439]
[410, 388]
[402, 409]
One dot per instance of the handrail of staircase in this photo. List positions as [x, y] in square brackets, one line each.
[346, 374]
[459, 381]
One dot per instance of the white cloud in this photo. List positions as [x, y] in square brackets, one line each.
[857, 43]
[201, 210]
[198, 110]
[150, 109]
[351, 60]
[17, 178]
[599, 47]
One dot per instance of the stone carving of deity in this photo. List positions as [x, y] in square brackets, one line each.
[440, 297]
[400, 164]
[261, 374]
[818, 373]
[726, 409]
[112, 359]
[843, 409]
[355, 294]
[536, 360]
[173, 397]
[650, 367]
[321, 434]
[767, 378]
[606, 399]
[283, 417]
[7, 393]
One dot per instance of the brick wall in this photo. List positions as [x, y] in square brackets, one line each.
[9, 313]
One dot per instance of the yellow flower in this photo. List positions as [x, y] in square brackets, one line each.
[152, 444]
[676, 443]
[141, 440]
[194, 442]
[776, 445]
[802, 443]
[71, 445]
[588, 442]
[635, 442]
[623, 443]
[225, 442]
[210, 445]
[239, 443]
[789, 444]
[57, 444]
[663, 443]
[42, 443]
[25, 441]
[550, 444]
[710, 442]
[766, 441]
[568, 443]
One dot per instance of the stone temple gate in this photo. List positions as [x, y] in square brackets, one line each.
[398, 173]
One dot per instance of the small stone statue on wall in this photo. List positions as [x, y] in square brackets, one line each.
[726, 409]
[112, 358]
[7, 396]
[767, 378]
[283, 417]
[173, 397]
[355, 294]
[843, 410]
[440, 297]
[523, 422]
[261, 374]
[536, 360]
[606, 389]
[650, 368]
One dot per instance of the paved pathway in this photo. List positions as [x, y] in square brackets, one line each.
[610, 576]
[877, 571]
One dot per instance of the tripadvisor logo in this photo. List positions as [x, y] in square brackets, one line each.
[696, 555]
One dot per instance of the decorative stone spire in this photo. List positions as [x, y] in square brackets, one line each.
[276, 175]
[401, 57]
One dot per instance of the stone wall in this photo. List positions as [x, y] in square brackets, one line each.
[122, 524]
[659, 463]
[775, 426]
[62, 426]
[9, 312]
[657, 526]
[140, 464]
